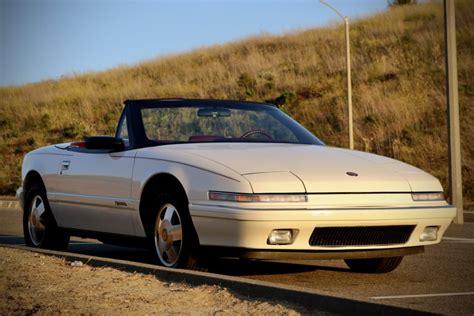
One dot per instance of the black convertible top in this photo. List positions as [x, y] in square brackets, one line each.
[190, 102]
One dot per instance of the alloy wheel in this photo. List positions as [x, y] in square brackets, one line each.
[168, 235]
[36, 226]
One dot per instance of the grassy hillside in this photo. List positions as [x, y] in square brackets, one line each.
[398, 86]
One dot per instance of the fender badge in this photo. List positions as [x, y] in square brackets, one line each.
[352, 174]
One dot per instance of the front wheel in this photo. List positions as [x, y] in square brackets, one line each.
[168, 236]
[375, 265]
[174, 241]
[39, 228]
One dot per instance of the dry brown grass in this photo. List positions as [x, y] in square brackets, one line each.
[398, 84]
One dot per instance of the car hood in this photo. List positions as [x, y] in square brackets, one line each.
[313, 168]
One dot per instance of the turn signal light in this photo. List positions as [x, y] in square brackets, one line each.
[428, 196]
[246, 197]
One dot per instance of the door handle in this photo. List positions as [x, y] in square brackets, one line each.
[64, 166]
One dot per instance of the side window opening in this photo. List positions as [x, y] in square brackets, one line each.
[123, 131]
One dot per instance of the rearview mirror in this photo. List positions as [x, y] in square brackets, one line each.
[104, 143]
[213, 112]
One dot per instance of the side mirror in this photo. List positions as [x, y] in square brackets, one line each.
[109, 143]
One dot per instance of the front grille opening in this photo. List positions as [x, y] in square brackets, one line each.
[361, 235]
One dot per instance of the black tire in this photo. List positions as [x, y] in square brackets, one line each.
[375, 265]
[163, 237]
[40, 230]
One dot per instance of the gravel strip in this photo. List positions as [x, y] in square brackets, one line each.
[31, 283]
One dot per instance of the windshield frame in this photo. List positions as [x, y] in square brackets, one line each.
[135, 108]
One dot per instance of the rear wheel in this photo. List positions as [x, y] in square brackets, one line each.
[375, 265]
[39, 228]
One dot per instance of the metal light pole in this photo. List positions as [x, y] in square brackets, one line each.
[348, 65]
[455, 174]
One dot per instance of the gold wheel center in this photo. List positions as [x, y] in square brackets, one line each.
[164, 235]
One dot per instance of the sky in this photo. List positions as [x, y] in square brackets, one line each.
[47, 39]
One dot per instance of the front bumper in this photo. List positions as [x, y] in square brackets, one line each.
[229, 226]
[309, 255]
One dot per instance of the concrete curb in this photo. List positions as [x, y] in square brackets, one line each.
[9, 204]
[308, 299]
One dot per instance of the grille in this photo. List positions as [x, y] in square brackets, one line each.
[360, 236]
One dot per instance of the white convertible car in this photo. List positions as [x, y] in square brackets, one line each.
[199, 178]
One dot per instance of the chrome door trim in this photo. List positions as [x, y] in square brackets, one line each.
[94, 201]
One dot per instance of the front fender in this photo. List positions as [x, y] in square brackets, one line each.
[196, 180]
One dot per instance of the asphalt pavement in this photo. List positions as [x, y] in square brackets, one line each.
[440, 281]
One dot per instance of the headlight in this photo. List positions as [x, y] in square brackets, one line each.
[428, 196]
[245, 197]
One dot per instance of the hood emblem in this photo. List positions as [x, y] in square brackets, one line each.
[352, 174]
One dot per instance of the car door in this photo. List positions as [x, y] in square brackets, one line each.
[95, 189]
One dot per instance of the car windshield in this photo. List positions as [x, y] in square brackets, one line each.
[220, 122]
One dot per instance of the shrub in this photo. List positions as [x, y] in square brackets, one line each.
[73, 131]
[285, 98]
[248, 83]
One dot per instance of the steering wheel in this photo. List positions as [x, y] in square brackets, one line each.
[255, 132]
